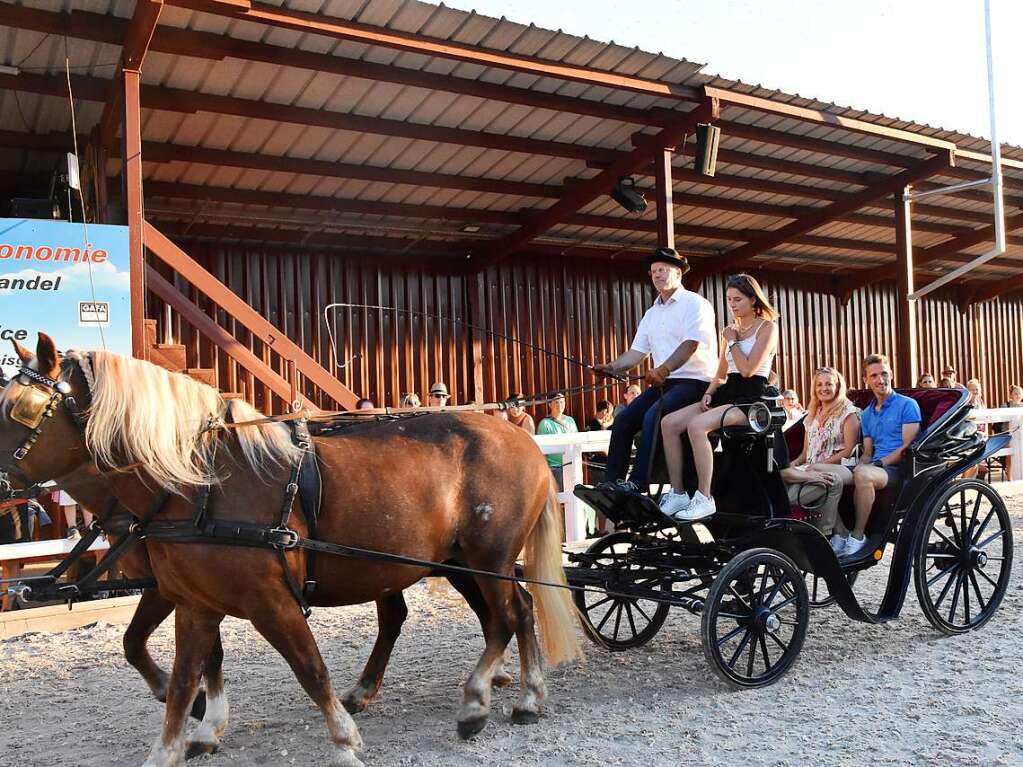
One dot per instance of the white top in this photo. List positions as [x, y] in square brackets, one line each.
[746, 346]
[686, 316]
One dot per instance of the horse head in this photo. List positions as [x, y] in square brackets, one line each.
[41, 420]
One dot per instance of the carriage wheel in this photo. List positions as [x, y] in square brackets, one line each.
[755, 619]
[620, 623]
[963, 563]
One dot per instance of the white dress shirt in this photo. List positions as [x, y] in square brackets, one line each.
[686, 316]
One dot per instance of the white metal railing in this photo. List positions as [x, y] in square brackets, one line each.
[573, 447]
[1013, 418]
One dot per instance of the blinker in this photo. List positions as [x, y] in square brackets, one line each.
[29, 408]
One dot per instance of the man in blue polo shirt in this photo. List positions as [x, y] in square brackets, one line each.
[890, 424]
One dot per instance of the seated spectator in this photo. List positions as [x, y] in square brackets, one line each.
[977, 399]
[439, 395]
[517, 415]
[949, 372]
[631, 392]
[556, 422]
[926, 381]
[602, 419]
[890, 424]
[946, 383]
[69, 506]
[1015, 397]
[410, 401]
[818, 473]
[793, 410]
[364, 404]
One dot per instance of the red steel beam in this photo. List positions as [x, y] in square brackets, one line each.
[133, 203]
[137, 37]
[342, 29]
[584, 193]
[745, 253]
[939, 252]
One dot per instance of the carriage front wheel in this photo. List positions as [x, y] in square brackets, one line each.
[962, 566]
[755, 619]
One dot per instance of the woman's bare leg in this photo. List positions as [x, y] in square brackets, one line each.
[673, 426]
[699, 431]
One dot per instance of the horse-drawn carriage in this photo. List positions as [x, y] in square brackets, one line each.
[754, 569]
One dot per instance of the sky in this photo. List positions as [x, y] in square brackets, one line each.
[919, 60]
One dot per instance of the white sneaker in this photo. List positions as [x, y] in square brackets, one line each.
[672, 503]
[839, 544]
[699, 507]
[854, 546]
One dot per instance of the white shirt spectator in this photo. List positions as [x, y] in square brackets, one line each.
[686, 316]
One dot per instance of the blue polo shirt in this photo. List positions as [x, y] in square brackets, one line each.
[885, 427]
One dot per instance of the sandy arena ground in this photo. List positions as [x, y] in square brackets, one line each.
[882, 695]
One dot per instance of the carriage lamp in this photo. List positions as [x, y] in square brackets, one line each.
[759, 416]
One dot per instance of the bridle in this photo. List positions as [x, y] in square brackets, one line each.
[35, 405]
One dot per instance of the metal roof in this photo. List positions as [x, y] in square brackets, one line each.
[332, 131]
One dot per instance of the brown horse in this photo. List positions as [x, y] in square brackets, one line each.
[487, 493]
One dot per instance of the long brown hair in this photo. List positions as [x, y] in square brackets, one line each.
[750, 288]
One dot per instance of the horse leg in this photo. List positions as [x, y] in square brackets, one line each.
[391, 614]
[286, 630]
[472, 716]
[534, 691]
[195, 635]
[206, 737]
[466, 586]
[152, 610]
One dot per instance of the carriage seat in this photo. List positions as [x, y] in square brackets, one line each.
[934, 403]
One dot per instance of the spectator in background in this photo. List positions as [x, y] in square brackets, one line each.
[557, 422]
[772, 378]
[1015, 397]
[602, 419]
[410, 401]
[517, 415]
[949, 372]
[69, 507]
[946, 383]
[631, 392]
[439, 395]
[793, 410]
[1015, 400]
[364, 404]
[926, 381]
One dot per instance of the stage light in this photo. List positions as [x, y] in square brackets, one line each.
[706, 158]
[625, 194]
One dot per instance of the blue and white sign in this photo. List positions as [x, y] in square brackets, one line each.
[67, 280]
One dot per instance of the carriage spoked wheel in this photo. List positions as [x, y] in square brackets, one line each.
[755, 619]
[618, 622]
[963, 563]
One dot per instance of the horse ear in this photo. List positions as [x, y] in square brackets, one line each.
[23, 354]
[46, 356]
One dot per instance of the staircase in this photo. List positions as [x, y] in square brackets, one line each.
[172, 357]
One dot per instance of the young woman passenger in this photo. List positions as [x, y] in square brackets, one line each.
[832, 433]
[747, 351]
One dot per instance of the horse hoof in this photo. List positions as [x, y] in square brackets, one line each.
[522, 716]
[469, 727]
[353, 706]
[501, 680]
[198, 748]
[345, 758]
[199, 706]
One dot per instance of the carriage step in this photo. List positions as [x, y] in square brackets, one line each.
[619, 506]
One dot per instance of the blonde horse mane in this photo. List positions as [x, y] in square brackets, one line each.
[142, 413]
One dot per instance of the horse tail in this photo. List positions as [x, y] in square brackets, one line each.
[555, 612]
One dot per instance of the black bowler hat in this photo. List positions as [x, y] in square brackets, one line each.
[668, 256]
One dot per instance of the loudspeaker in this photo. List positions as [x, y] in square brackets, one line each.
[625, 194]
[707, 137]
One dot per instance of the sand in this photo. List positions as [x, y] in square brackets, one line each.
[883, 695]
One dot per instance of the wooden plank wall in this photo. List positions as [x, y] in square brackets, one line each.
[583, 310]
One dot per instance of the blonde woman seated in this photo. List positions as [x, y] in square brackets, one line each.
[747, 352]
[832, 432]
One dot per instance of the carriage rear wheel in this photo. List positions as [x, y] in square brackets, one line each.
[755, 619]
[963, 563]
[618, 622]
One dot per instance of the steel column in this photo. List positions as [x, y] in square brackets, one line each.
[906, 366]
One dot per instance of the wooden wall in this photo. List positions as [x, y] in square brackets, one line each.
[580, 309]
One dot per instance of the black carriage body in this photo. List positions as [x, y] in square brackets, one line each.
[678, 565]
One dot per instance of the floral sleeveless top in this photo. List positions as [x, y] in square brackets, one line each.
[825, 439]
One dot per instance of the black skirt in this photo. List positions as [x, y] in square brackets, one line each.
[738, 390]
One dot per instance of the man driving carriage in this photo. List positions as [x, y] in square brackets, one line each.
[679, 333]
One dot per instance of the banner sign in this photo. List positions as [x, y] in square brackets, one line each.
[67, 280]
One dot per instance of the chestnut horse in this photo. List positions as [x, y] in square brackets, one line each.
[457, 488]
